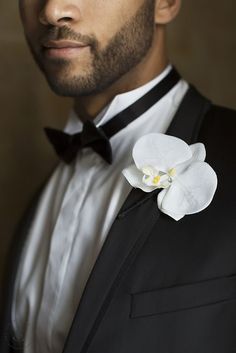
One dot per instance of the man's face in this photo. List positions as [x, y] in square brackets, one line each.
[84, 46]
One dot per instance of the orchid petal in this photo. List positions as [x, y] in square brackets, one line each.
[163, 152]
[170, 213]
[191, 193]
[134, 176]
[198, 154]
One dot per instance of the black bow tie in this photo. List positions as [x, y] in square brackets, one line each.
[67, 146]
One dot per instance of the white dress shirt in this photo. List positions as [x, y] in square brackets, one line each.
[74, 215]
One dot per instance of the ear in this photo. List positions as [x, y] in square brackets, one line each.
[166, 10]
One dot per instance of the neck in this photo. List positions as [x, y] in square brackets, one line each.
[156, 60]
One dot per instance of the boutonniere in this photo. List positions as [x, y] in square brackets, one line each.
[166, 162]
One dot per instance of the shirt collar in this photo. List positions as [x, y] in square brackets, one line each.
[118, 104]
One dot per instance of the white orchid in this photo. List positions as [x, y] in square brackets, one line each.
[168, 163]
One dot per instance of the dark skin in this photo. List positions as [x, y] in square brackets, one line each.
[108, 46]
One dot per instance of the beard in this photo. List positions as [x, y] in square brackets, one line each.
[125, 50]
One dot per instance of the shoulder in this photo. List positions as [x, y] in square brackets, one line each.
[219, 120]
[218, 130]
[218, 133]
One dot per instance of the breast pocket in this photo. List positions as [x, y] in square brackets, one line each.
[182, 297]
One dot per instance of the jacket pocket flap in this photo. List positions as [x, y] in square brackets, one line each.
[183, 297]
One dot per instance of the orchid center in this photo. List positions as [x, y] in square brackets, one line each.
[156, 180]
[172, 172]
[153, 177]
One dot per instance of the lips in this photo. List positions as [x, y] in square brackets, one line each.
[63, 44]
[62, 48]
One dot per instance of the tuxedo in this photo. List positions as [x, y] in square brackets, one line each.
[159, 285]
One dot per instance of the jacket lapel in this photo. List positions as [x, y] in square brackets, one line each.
[188, 119]
[127, 236]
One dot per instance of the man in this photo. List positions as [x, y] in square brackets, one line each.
[97, 267]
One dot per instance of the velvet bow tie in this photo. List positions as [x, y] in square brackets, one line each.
[67, 146]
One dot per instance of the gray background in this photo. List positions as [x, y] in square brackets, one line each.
[202, 44]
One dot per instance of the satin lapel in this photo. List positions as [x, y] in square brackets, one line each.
[126, 237]
[188, 119]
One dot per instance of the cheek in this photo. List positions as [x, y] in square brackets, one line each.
[29, 12]
[105, 18]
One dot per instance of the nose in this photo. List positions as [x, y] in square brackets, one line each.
[58, 13]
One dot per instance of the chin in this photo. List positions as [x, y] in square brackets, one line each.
[71, 87]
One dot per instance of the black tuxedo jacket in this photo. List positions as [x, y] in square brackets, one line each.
[161, 286]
